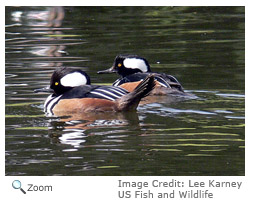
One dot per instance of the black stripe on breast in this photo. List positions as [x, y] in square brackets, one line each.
[50, 102]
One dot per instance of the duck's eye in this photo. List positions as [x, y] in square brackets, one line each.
[56, 83]
[119, 65]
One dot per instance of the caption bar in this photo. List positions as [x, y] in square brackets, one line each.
[174, 188]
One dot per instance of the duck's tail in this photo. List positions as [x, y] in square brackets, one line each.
[131, 100]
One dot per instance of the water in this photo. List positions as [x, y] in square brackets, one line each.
[201, 46]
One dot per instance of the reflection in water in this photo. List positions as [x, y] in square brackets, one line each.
[43, 37]
[52, 18]
[72, 129]
[56, 16]
[202, 135]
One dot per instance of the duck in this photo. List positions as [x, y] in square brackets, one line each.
[133, 69]
[71, 91]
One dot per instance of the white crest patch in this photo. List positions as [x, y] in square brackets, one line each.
[135, 63]
[74, 79]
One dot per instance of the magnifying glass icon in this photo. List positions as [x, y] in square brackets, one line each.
[16, 184]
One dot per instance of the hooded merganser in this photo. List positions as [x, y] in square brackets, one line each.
[72, 92]
[133, 69]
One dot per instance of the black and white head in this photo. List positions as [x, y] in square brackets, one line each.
[63, 79]
[128, 64]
